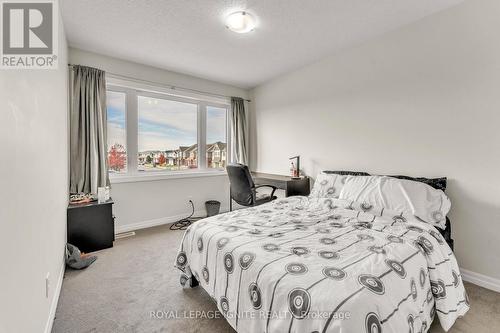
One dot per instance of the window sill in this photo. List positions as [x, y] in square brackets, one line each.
[158, 175]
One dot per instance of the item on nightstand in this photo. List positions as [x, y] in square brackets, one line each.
[101, 194]
[213, 207]
[79, 198]
[77, 260]
[107, 193]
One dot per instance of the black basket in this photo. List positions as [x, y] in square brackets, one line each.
[213, 207]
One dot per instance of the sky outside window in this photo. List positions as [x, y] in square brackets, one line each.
[165, 124]
[116, 131]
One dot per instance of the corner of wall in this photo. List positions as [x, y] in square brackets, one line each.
[55, 298]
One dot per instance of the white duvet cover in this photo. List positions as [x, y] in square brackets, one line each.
[323, 265]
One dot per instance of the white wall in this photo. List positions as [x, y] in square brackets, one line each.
[34, 196]
[423, 100]
[140, 204]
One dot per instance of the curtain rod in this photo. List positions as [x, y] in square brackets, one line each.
[168, 85]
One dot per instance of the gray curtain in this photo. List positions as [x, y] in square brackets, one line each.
[88, 121]
[239, 130]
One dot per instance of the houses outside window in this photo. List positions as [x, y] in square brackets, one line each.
[216, 137]
[154, 131]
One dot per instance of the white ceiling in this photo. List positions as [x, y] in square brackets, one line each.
[189, 36]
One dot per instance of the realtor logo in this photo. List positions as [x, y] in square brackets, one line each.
[29, 34]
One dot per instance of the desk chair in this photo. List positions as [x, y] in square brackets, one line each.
[242, 188]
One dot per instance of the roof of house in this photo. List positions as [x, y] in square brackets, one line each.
[147, 152]
[218, 144]
[192, 148]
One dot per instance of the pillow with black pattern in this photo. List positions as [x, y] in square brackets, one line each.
[327, 185]
[401, 195]
[437, 183]
[347, 173]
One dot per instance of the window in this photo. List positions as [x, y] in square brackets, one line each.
[216, 137]
[166, 133]
[117, 138]
[167, 137]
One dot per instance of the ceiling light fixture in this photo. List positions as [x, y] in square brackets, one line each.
[240, 22]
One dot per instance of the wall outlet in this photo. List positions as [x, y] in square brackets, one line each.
[47, 285]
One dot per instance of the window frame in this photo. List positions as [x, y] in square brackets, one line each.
[228, 133]
[132, 91]
[119, 90]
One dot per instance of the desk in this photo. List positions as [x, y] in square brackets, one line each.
[291, 186]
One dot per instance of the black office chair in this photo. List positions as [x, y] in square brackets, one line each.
[242, 188]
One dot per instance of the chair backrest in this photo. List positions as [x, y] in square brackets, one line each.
[241, 183]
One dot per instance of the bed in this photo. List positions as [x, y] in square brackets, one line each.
[323, 264]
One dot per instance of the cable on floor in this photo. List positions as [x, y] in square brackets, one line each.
[184, 223]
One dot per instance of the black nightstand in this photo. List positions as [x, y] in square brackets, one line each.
[91, 226]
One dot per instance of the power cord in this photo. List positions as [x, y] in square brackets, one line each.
[184, 223]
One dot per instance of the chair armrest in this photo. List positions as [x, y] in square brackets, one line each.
[271, 186]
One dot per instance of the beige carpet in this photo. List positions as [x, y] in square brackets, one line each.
[136, 277]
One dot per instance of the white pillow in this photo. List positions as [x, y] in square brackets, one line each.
[401, 195]
[327, 185]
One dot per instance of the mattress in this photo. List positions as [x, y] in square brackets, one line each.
[303, 264]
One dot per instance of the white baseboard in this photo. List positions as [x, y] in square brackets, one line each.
[158, 221]
[480, 280]
[55, 299]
